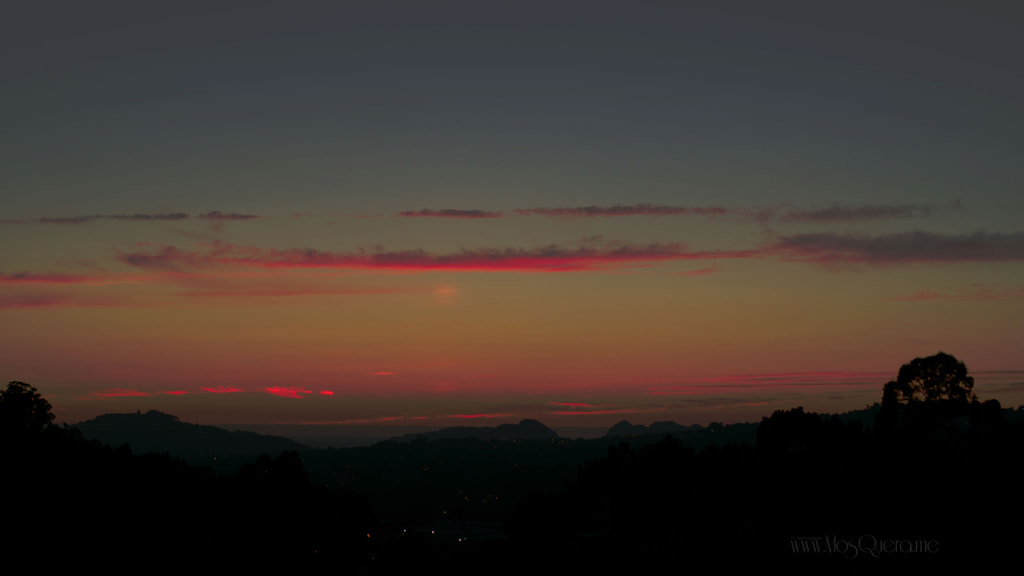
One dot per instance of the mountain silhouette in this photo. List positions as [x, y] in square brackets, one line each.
[157, 432]
[696, 436]
[524, 430]
[624, 428]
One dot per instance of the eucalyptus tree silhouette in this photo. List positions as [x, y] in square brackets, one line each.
[23, 411]
[935, 378]
[931, 399]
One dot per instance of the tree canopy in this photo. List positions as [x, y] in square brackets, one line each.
[23, 410]
[931, 379]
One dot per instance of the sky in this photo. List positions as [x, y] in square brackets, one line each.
[470, 213]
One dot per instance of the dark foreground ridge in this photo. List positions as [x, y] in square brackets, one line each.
[926, 478]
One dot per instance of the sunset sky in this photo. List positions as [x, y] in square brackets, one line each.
[456, 213]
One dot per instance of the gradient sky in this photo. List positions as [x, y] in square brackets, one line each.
[441, 212]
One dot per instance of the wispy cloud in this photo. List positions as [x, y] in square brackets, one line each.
[907, 247]
[221, 216]
[53, 278]
[834, 213]
[747, 383]
[607, 411]
[68, 220]
[976, 293]
[165, 258]
[374, 420]
[278, 292]
[588, 409]
[147, 217]
[59, 300]
[90, 218]
[450, 213]
[545, 259]
[117, 392]
[222, 389]
[864, 212]
[44, 278]
[698, 272]
[625, 210]
[823, 377]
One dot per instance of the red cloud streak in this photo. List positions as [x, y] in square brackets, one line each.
[288, 391]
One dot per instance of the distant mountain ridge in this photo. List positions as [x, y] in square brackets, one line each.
[695, 435]
[624, 428]
[717, 433]
[524, 430]
[158, 432]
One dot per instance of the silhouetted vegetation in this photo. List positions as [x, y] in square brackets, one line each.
[938, 378]
[75, 502]
[921, 479]
[23, 411]
[926, 485]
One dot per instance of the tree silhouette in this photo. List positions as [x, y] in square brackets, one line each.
[23, 411]
[931, 379]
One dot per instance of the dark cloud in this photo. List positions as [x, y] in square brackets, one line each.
[90, 218]
[549, 258]
[59, 300]
[165, 258]
[906, 247]
[622, 210]
[221, 216]
[450, 213]
[976, 293]
[835, 213]
[148, 217]
[44, 278]
[864, 212]
[68, 220]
